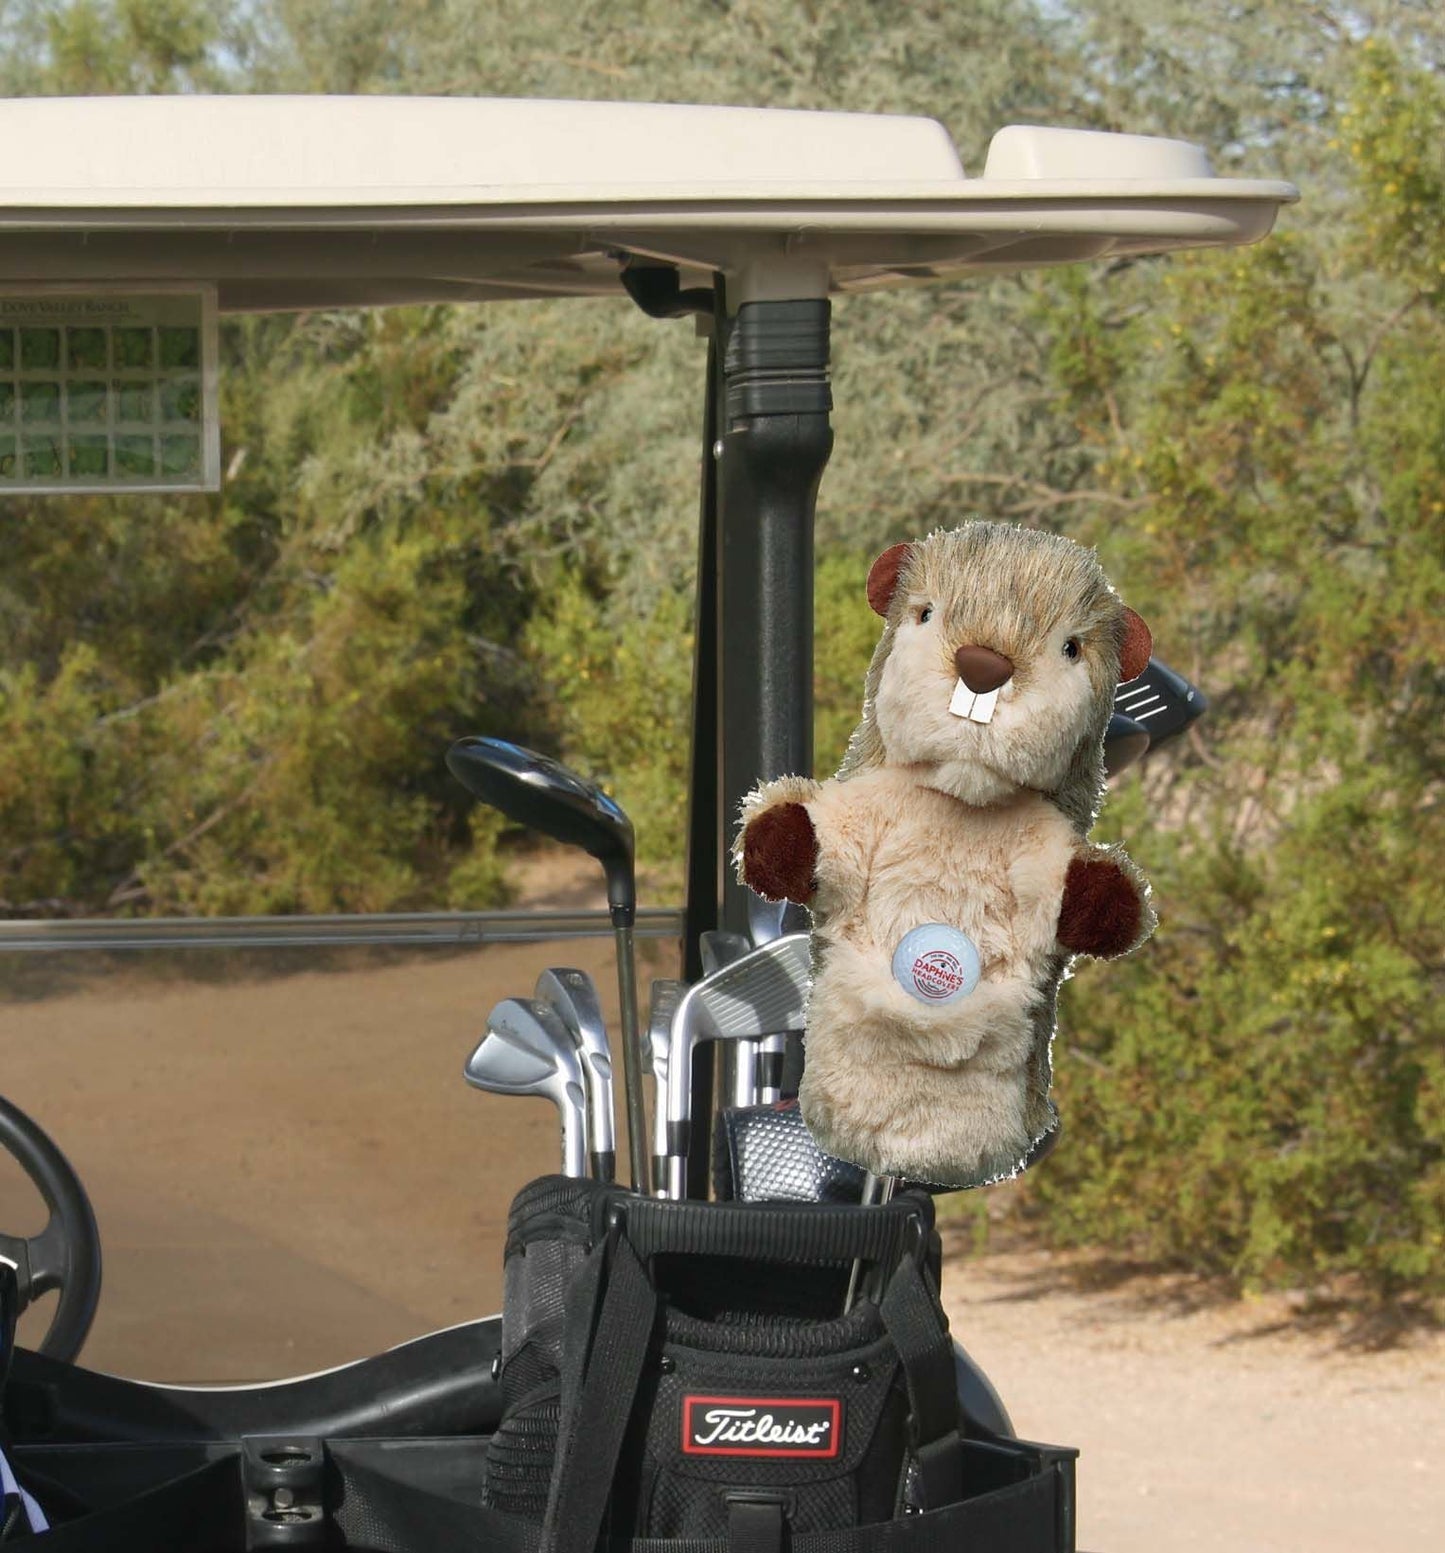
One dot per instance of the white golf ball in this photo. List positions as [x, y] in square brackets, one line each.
[936, 964]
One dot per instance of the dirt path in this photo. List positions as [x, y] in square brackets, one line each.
[1209, 1430]
[289, 1172]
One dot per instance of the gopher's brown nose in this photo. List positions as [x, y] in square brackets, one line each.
[982, 669]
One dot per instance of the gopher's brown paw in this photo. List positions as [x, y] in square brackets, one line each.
[1103, 911]
[780, 854]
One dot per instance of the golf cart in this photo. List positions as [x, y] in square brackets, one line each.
[744, 222]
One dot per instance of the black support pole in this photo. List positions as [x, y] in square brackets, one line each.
[775, 445]
[704, 825]
[704, 828]
[766, 441]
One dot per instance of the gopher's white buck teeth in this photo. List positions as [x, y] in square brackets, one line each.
[977, 708]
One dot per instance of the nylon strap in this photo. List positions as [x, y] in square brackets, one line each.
[914, 1320]
[581, 1308]
[755, 1526]
[597, 1411]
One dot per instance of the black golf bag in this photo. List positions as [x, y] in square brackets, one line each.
[684, 1374]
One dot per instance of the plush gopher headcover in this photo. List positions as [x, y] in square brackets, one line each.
[964, 799]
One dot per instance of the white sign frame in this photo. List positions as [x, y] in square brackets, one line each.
[144, 399]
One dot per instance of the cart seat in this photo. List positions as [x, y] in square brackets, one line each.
[440, 1384]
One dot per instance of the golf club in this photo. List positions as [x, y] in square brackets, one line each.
[760, 994]
[1149, 709]
[876, 1190]
[717, 949]
[1124, 743]
[768, 920]
[757, 1066]
[527, 1050]
[573, 995]
[1161, 701]
[772, 1053]
[537, 791]
[666, 995]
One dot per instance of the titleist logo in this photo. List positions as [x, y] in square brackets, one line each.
[761, 1426]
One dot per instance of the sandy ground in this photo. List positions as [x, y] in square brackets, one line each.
[289, 1172]
[1214, 1427]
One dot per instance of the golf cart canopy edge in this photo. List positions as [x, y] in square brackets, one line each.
[299, 202]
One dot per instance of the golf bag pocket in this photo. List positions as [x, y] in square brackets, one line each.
[549, 1238]
[810, 1419]
[521, 1453]
[686, 1370]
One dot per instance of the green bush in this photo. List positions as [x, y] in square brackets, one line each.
[621, 681]
[1259, 1091]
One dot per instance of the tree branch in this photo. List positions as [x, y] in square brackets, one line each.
[1046, 495]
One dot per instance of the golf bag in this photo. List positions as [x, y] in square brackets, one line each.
[685, 1370]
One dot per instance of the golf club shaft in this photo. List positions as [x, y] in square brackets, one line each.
[768, 1076]
[666, 995]
[757, 1077]
[574, 1147]
[876, 1190]
[659, 1146]
[745, 1075]
[632, 1063]
[572, 996]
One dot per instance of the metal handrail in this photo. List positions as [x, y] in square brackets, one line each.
[396, 928]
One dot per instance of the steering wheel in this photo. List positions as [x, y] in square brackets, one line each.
[65, 1255]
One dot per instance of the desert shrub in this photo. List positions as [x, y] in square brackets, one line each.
[621, 682]
[1258, 1092]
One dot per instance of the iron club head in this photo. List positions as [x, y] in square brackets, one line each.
[666, 995]
[573, 995]
[761, 994]
[716, 949]
[527, 1051]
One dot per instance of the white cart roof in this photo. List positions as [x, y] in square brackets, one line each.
[289, 202]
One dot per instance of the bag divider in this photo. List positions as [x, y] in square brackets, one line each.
[794, 1234]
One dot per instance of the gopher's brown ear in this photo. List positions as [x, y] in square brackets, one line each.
[883, 577]
[1138, 644]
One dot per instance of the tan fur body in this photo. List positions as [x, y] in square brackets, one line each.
[934, 819]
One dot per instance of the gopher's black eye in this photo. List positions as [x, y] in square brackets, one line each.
[925, 614]
[1072, 648]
